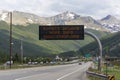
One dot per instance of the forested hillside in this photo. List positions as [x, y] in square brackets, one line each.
[110, 44]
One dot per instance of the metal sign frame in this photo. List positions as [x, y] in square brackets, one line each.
[51, 29]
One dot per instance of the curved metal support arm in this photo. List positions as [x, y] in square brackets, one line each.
[100, 48]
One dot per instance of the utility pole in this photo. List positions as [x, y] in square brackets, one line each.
[21, 52]
[10, 13]
[106, 61]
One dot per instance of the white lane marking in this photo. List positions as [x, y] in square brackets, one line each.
[32, 76]
[69, 74]
[86, 66]
[24, 77]
[57, 79]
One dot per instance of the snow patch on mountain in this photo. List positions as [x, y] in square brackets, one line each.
[111, 23]
[111, 27]
[30, 20]
[3, 16]
[70, 15]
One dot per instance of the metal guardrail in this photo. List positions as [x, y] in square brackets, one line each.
[102, 76]
[97, 75]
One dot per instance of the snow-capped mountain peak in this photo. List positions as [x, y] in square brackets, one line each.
[111, 23]
[70, 15]
[66, 16]
[110, 20]
[108, 17]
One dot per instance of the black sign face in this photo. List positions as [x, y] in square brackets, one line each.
[61, 32]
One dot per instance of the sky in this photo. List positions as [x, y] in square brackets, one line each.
[46, 8]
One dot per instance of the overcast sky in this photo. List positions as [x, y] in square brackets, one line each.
[94, 8]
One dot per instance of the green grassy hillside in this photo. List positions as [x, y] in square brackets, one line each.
[110, 44]
[35, 47]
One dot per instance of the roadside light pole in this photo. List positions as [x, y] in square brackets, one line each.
[10, 13]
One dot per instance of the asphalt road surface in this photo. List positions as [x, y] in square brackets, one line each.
[61, 72]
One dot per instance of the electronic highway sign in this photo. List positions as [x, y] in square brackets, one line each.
[61, 32]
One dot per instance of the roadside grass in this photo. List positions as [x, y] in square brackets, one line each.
[19, 66]
[115, 71]
[94, 78]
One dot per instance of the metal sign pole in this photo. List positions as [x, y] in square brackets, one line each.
[100, 48]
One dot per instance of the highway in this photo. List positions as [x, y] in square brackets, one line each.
[60, 72]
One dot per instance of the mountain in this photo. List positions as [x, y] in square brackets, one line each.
[71, 18]
[111, 23]
[66, 18]
[60, 19]
[110, 44]
[108, 23]
[109, 19]
[89, 23]
[21, 18]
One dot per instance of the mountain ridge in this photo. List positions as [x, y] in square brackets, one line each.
[110, 44]
[65, 18]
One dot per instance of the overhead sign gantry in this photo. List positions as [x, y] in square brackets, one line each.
[68, 32]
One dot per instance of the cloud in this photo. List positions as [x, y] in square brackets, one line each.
[95, 8]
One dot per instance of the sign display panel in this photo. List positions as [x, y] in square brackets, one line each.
[61, 32]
